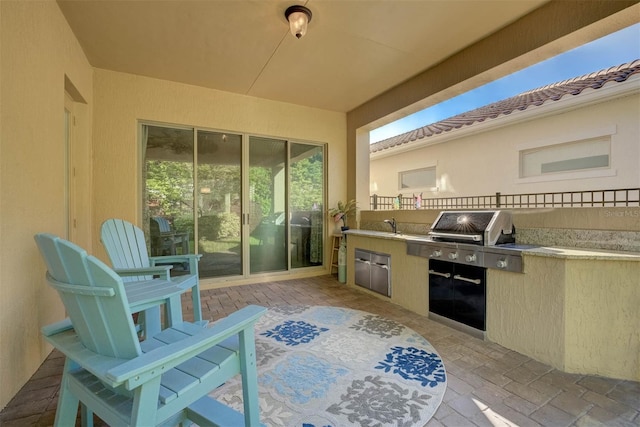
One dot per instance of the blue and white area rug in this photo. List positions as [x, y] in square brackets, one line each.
[334, 367]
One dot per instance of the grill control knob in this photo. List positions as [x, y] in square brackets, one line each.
[471, 258]
[436, 254]
[502, 263]
[453, 255]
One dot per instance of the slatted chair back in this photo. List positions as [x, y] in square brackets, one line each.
[94, 297]
[165, 240]
[126, 246]
[163, 224]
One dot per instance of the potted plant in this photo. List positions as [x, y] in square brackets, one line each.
[341, 211]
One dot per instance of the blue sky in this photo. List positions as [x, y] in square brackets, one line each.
[614, 49]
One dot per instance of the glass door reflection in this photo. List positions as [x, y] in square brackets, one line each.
[219, 203]
[306, 193]
[168, 190]
[267, 205]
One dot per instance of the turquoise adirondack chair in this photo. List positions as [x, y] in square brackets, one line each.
[164, 380]
[127, 249]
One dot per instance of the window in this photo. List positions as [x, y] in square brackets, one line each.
[417, 179]
[577, 156]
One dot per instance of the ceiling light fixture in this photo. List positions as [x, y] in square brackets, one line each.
[298, 17]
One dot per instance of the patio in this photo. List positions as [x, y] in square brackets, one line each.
[488, 385]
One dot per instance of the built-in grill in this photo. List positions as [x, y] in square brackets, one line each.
[480, 238]
[461, 246]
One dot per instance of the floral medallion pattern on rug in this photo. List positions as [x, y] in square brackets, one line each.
[334, 367]
[373, 401]
[414, 364]
[377, 325]
[294, 332]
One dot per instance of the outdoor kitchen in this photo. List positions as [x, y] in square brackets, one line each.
[560, 285]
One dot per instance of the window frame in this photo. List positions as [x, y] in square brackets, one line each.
[586, 136]
[427, 187]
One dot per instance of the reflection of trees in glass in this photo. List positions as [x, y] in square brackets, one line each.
[306, 178]
[220, 180]
[169, 188]
[261, 188]
[216, 219]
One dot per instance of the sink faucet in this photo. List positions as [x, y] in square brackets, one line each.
[392, 223]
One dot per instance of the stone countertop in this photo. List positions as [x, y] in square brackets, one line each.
[544, 251]
[385, 235]
[582, 253]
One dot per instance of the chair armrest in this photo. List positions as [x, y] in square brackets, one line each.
[155, 260]
[191, 259]
[154, 270]
[174, 233]
[55, 328]
[69, 344]
[149, 365]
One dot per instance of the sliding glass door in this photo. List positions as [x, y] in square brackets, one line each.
[267, 204]
[168, 189]
[219, 203]
[306, 195]
[248, 204]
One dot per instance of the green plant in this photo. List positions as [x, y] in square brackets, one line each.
[184, 223]
[219, 226]
[342, 210]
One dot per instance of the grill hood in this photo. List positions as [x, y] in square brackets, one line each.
[487, 227]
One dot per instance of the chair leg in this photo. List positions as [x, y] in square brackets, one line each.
[197, 307]
[173, 311]
[67, 410]
[145, 402]
[86, 416]
[151, 321]
[249, 374]
[195, 292]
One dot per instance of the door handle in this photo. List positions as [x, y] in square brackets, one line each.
[464, 279]
[437, 273]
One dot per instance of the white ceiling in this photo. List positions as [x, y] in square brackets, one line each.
[353, 51]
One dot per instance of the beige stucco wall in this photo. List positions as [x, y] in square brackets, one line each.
[493, 155]
[578, 315]
[123, 99]
[526, 312]
[602, 332]
[37, 50]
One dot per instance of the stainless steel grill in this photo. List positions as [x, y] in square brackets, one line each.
[480, 238]
[484, 228]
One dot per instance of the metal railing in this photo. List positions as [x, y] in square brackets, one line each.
[625, 197]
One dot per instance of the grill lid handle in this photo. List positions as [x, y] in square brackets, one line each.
[472, 237]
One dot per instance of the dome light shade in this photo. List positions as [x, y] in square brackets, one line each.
[298, 17]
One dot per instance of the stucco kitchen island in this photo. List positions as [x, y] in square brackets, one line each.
[574, 309]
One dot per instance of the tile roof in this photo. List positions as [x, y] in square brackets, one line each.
[535, 97]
